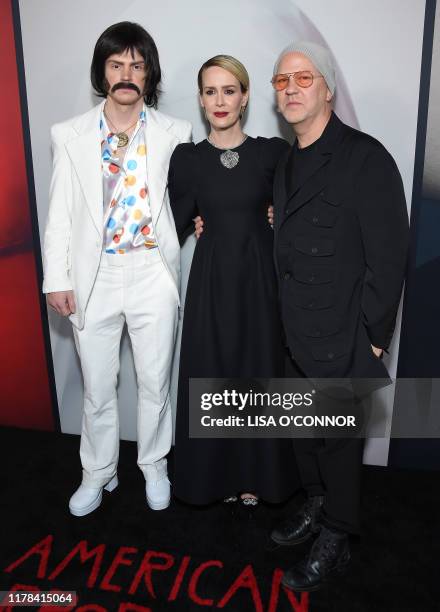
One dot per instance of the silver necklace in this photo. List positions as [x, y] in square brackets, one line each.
[228, 158]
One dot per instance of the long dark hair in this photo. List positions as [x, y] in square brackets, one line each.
[121, 37]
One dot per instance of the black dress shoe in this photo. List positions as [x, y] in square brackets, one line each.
[329, 555]
[303, 525]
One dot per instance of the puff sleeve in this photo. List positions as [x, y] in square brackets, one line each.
[182, 187]
[271, 151]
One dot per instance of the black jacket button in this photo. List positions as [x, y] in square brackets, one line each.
[315, 220]
[330, 355]
[314, 250]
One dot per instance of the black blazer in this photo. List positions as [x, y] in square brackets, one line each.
[341, 240]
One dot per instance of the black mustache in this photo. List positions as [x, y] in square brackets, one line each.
[126, 85]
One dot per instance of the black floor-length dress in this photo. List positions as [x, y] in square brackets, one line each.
[231, 325]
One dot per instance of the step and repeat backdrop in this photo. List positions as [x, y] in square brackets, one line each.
[384, 53]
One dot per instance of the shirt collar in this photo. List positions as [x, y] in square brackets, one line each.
[105, 128]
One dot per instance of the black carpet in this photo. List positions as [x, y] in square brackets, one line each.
[125, 557]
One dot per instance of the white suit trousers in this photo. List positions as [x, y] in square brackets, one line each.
[132, 288]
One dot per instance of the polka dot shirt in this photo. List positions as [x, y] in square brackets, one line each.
[127, 215]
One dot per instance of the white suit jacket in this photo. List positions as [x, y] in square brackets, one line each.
[74, 231]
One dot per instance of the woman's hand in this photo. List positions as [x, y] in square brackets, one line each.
[198, 226]
[270, 214]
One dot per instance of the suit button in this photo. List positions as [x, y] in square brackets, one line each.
[287, 211]
[315, 220]
[312, 278]
[331, 355]
[314, 250]
[311, 304]
[287, 275]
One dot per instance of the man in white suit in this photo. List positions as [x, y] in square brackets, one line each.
[111, 256]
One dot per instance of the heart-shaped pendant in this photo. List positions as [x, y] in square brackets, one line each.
[229, 158]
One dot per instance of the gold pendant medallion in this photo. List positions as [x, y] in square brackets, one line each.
[122, 139]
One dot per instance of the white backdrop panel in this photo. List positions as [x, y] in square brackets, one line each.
[377, 47]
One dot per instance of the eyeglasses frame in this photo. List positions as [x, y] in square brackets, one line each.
[293, 74]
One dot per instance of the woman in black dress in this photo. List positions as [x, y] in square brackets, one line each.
[231, 326]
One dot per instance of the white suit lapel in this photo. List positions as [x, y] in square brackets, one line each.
[160, 144]
[85, 154]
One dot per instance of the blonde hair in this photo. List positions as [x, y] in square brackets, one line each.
[229, 63]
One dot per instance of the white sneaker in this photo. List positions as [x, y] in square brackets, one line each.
[86, 499]
[158, 493]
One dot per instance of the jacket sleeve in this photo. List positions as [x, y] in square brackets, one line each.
[182, 187]
[58, 226]
[383, 220]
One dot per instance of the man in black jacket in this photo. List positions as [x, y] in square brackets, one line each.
[341, 236]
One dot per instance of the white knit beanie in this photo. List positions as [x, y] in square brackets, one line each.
[320, 57]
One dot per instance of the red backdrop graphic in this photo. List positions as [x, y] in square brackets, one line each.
[24, 387]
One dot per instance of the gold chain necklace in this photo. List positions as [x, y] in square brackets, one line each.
[121, 134]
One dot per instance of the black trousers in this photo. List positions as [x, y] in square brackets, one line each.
[331, 467]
